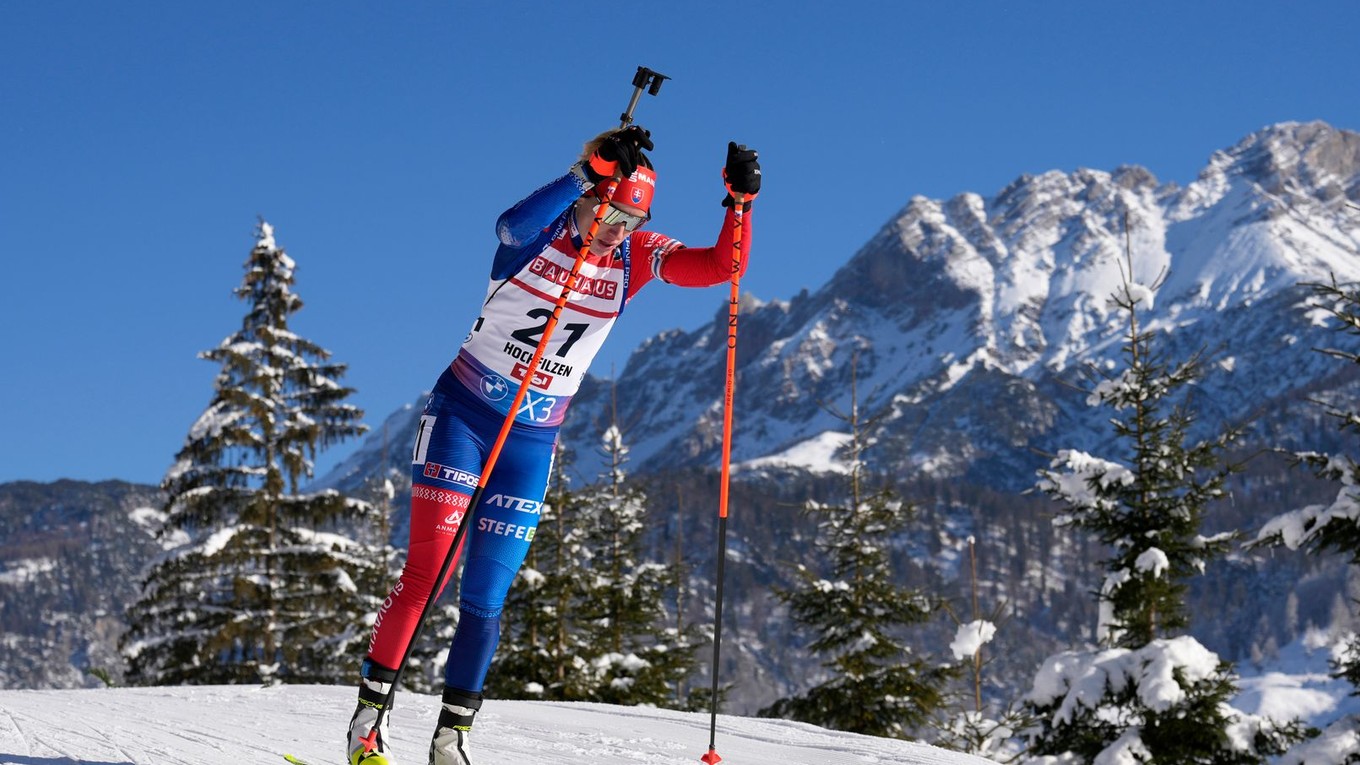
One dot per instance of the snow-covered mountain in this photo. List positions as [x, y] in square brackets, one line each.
[968, 320]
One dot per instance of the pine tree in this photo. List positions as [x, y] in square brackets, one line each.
[858, 611]
[1164, 702]
[983, 728]
[1333, 527]
[259, 582]
[1151, 696]
[1149, 508]
[635, 656]
[588, 621]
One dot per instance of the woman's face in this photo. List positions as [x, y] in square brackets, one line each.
[609, 236]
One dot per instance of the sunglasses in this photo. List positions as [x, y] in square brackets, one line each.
[616, 216]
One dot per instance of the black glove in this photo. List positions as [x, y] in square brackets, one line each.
[742, 173]
[620, 152]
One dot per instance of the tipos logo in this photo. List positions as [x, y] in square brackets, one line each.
[454, 475]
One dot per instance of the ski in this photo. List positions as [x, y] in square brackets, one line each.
[299, 761]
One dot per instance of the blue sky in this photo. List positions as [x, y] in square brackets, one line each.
[140, 142]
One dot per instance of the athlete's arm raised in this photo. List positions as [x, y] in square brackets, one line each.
[707, 266]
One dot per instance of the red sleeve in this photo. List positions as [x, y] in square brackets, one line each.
[685, 266]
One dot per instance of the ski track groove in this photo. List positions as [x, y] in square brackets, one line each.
[30, 740]
[44, 749]
[19, 732]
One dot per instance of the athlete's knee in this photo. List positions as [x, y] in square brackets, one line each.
[469, 609]
[417, 581]
[486, 582]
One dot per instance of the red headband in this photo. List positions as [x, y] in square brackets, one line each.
[635, 190]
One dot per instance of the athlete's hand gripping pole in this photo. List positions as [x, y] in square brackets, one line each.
[642, 79]
[712, 757]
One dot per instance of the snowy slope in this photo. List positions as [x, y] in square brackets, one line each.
[208, 725]
[219, 724]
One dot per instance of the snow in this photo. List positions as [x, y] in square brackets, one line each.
[1336, 743]
[266, 239]
[971, 637]
[25, 569]
[1072, 471]
[219, 540]
[1300, 527]
[1294, 683]
[817, 454]
[1278, 695]
[226, 725]
[1080, 678]
[1153, 560]
[1127, 750]
[1298, 682]
[148, 517]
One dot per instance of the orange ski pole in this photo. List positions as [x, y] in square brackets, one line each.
[712, 757]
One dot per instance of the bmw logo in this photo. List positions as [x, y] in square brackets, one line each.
[494, 387]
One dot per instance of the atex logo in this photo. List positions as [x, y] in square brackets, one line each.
[436, 470]
[515, 503]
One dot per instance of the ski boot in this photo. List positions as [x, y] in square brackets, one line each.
[450, 744]
[363, 746]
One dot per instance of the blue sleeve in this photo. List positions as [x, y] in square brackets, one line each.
[524, 227]
[520, 224]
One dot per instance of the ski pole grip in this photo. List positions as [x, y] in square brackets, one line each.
[644, 79]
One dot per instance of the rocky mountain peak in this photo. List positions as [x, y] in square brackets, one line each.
[1296, 158]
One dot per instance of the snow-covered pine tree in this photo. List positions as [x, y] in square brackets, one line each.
[636, 655]
[1333, 527]
[1150, 696]
[857, 612]
[260, 583]
[684, 694]
[1147, 509]
[983, 728]
[586, 620]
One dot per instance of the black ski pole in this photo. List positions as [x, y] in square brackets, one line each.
[642, 79]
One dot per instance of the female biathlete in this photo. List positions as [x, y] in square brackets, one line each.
[540, 239]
